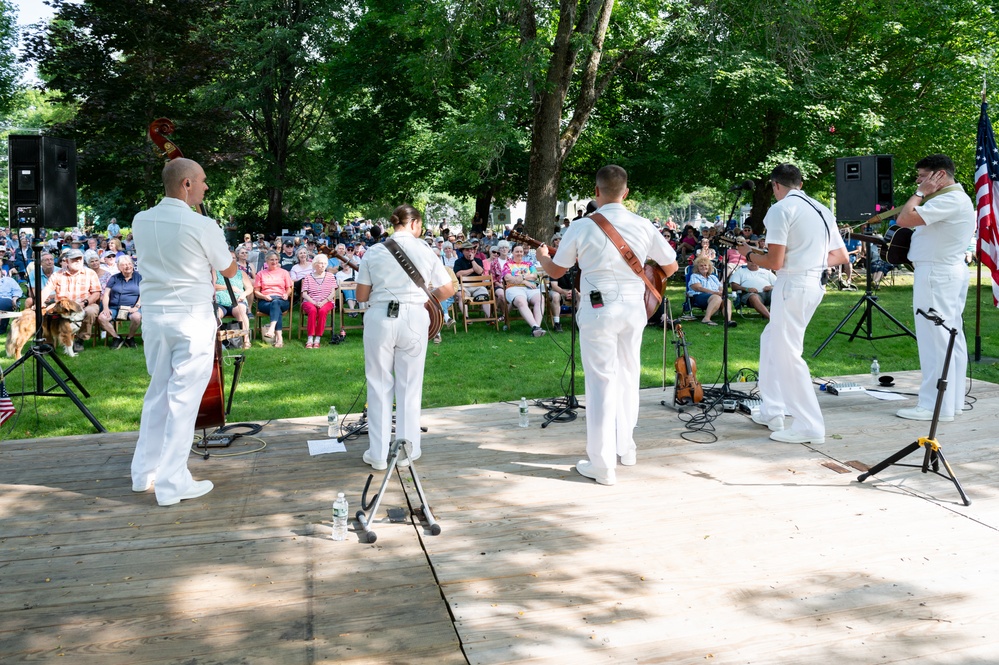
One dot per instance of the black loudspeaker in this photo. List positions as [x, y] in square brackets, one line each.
[42, 181]
[864, 187]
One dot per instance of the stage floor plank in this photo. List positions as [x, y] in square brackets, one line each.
[727, 548]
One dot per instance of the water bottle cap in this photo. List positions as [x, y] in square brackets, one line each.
[339, 495]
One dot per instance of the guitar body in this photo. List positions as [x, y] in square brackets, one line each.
[898, 239]
[436, 313]
[211, 413]
[657, 277]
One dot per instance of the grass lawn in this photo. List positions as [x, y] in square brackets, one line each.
[481, 366]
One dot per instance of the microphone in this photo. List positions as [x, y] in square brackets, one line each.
[747, 185]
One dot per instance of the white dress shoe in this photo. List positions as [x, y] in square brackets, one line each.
[585, 468]
[919, 413]
[375, 464]
[140, 487]
[197, 488]
[790, 436]
[776, 424]
[630, 459]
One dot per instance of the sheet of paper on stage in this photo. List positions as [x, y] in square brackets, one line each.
[886, 396]
[323, 446]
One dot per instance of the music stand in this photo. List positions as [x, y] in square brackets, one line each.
[39, 350]
[869, 302]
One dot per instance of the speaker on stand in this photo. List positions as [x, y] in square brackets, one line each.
[42, 188]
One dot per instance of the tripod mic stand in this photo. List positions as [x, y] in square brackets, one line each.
[563, 409]
[933, 454]
[39, 349]
[869, 302]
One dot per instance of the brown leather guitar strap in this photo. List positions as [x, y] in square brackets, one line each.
[393, 247]
[626, 253]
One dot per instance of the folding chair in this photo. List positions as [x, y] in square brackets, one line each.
[468, 304]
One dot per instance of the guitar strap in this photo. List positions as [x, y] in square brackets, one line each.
[626, 253]
[392, 246]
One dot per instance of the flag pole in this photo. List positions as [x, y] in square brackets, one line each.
[978, 269]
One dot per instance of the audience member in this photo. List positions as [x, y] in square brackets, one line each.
[705, 291]
[467, 265]
[242, 288]
[496, 267]
[10, 294]
[272, 289]
[753, 286]
[520, 279]
[121, 302]
[76, 282]
[318, 299]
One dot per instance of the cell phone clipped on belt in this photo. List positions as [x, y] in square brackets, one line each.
[393, 309]
[596, 299]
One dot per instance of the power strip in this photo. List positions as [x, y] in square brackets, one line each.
[750, 407]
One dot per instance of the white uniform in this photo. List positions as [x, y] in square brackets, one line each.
[610, 337]
[941, 282]
[179, 251]
[395, 349]
[785, 381]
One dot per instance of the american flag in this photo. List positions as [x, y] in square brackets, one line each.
[6, 406]
[986, 184]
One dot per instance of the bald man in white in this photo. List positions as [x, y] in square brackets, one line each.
[179, 251]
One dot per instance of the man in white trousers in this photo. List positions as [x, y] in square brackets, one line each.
[611, 318]
[178, 251]
[802, 241]
[943, 219]
[395, 333]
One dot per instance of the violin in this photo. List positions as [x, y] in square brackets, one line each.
[686, 388]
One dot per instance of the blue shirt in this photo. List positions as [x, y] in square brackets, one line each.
[123, 293]
[9, 288]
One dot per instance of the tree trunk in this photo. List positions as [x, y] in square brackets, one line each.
[483, 202]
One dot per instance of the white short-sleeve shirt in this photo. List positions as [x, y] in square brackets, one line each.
[178, 252]
[601, 264]
[808, 235]
[388, 281]
[950, 224]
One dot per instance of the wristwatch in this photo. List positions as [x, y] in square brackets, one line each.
[920, 194]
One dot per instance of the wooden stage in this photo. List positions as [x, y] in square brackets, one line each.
[742, 550]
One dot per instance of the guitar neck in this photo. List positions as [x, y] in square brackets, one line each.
[525, 239]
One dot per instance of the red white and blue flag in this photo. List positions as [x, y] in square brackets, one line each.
[6, 406]
[986, 189]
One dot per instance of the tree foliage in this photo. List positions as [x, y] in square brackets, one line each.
[10, 70]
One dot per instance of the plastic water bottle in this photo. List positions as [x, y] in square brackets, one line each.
[333, 422]
[524, 420]
[340, 517]
[875, 370]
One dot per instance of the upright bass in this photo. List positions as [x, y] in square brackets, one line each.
[213, 410]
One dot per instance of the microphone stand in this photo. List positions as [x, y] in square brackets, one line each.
[725, 391]
[562, 409]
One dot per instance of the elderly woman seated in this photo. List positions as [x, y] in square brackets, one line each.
[242, 289]
[521, 281]
[318, 299]
[120, 302]
[272, 288]
[705, 291]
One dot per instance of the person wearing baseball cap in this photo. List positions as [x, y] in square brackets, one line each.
[76, 282]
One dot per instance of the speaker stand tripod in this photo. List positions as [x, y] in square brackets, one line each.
[39, 349]
[869, 302]
[563, 409]
[933, 454]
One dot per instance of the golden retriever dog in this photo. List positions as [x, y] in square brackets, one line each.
[60, 322]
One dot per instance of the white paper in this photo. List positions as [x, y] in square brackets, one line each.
[886, 396]
[323, 446]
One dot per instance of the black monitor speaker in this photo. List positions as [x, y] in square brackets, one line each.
[864, 187]
[42, 181]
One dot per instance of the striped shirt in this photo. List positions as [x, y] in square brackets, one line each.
[318, 289]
